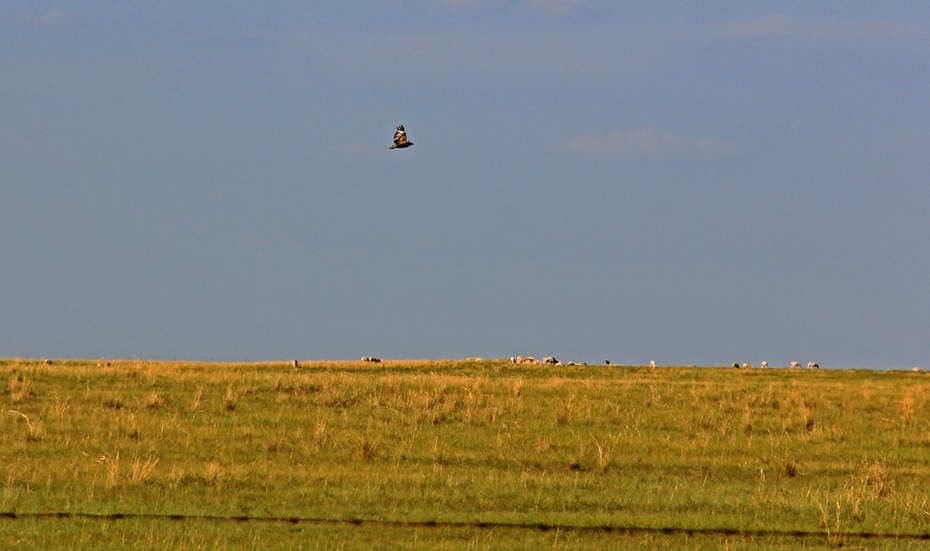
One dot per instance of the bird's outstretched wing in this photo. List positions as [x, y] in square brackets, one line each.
[400, 137]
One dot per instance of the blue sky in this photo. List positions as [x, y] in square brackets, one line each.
[694, 183]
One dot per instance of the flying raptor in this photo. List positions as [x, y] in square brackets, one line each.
[400, 139]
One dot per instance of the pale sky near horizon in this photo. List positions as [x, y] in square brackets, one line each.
[691, 183]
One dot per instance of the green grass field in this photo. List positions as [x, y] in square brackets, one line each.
[450, 455]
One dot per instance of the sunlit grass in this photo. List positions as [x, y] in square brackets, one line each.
[836, 453]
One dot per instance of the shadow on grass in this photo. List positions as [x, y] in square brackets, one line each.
[604, 529]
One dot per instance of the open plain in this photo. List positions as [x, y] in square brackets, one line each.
[453, 454]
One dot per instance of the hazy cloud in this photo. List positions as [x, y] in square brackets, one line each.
[821, 29]
[650, 143]
[555, 5]
[768, 26]
[472, 3]
[51, 19]
[543, 5]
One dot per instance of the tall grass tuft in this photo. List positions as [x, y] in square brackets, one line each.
[21, 388]
[564, 415]
[907, 409]
[142, 470]
[230, 403]
[789, 467]
[807, 418]
[367, 449]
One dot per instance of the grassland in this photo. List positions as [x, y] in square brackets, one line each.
[449, 455]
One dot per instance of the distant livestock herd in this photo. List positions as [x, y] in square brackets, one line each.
[550, 360]
[765, 364]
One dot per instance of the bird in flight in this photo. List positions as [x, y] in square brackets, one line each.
[400, 139]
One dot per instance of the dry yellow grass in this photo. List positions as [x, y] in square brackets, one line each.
[836, 455]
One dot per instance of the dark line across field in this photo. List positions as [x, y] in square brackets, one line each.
[629, 530]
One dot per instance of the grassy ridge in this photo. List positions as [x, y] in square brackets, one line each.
[738, 454]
